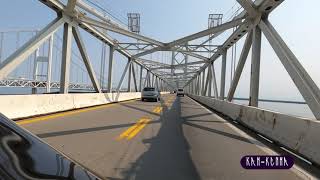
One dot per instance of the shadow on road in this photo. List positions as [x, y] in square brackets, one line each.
[88, 130]
[168, 156]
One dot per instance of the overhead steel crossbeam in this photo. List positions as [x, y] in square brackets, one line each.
[171, 46]
[195, 48]
[135, 46]
[256, 23]
[264, 7]
[177, 66]
[111, 27]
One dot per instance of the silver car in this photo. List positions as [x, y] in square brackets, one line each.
[150, 93]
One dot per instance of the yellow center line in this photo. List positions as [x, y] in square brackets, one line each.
[138, 129]
[157, 110]
[131, 129]
[67, 113]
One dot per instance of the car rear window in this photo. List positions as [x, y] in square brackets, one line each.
[180, 89]
[148, 89]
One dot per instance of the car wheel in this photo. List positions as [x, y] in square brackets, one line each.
[142, 99]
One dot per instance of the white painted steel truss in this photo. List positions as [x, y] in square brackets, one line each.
[197, 76]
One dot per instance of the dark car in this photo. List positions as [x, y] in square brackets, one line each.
[180, 92]
[25, 156]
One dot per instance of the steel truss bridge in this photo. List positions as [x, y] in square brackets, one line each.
[190, 66]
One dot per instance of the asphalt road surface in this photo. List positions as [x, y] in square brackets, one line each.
[173, 139]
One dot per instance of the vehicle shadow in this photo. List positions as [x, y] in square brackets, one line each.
[168, 155]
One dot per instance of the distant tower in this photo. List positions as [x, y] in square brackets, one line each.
[134, 26]
[134, 22]
[213, 21]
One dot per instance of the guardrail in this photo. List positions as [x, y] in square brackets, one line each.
[301, 135]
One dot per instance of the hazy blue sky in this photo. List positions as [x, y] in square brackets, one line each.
[165, 20]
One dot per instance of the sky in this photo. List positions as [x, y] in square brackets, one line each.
[296, 21]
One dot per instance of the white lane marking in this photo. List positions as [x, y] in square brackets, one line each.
[296, 169]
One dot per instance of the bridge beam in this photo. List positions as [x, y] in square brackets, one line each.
[255, 67]
[110, 69]
[14, 60]
[205, 90]
[248, 5]
[49, 66]
[66, 58]
[122, 78]
[240, 66]
[129, 76]
[214, 81]
[223, 73]
[134, 78]
[203, 82]
[140, 79]
[85, 58]
[308, 89]
[206, 32]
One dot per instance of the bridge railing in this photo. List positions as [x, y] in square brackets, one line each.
[295, 134]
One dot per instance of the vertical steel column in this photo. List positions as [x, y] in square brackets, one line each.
[129, 75]
[66, 58]
[207, 82]
[49, 66]
[156, 83]
[203, 82]
[214, 81]
[210, 85]
[149, 79]
[110, 68]
[140, 79]
[186, 59]
[103, 64]
[152, 81]
[197, 85]
[223, 74]
[172, 63]
[193, 86]
[35, 69]
[134, 78]
[1, 46]
[146, 80]
[255, 67]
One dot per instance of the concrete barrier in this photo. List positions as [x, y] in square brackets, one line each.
[19, 106]
[300, 135]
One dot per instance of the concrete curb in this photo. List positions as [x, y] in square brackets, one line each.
[298, 134]
[19, 106]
